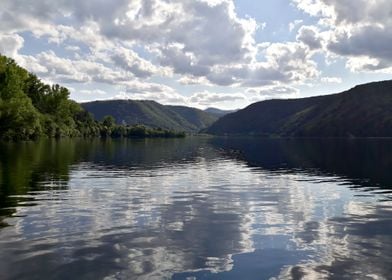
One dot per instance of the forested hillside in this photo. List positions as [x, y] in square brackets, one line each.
[151, 114]
[218, 112]
[363, 111]
[30, 109]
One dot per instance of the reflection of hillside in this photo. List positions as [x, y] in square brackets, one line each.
[362, 161]
[38, 166]
[143, 153]
[32, 167]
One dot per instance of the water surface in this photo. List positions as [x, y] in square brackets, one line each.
[196, 208]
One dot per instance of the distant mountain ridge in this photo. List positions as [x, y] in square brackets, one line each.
[152, 114]
[218, 112]
[363, 111]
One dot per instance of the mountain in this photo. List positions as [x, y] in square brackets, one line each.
[196, 117]
[218, 112]
[152, 114]
[363, 111]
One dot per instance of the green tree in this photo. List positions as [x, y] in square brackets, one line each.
[109, 121]
[108, 124]
[18, 117]
[30, 108]
[19, 120]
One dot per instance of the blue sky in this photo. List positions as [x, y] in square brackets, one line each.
[200, 53]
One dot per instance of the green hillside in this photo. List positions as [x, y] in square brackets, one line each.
[30, 109]
[152, 114]
[198, 118]
[363, 111]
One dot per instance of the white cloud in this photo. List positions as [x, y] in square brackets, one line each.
[32, 64]
[167, 95]
[64, 70]
[358, 30]
[284, 63]
[268, 92]
[293, 25]
[140, 87]
[190, 80]
[151, 91]
[94, 92]
[207, 98]
[369, 42]
[10, 44]
[130, 61]
[197, 39]
[367, 64]
[331, 80]
[315, 8]
[195, 42]
[292, 61]
[72, 48]
[236, 100]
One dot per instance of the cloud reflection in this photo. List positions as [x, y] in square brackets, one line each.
[148, 213]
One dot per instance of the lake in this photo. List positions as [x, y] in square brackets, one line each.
[196, 208]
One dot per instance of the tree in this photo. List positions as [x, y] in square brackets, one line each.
[30, 108]
[109, 121]
[18, 117]
[19, 120]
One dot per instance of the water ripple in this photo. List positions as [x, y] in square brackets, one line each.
[210, 215]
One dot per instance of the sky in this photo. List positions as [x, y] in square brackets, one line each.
[201, 53]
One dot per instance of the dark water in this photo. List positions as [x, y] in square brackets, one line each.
[196, 209]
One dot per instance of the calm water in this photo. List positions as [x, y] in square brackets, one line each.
[196, 209]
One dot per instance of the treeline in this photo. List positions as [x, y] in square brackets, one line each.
[30, 109]
[109, 128]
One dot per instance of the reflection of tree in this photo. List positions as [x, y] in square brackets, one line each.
[145, 153]
[32, 166]
[29, 167]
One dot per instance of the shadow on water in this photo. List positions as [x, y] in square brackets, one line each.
[361, 161]
[141, 153]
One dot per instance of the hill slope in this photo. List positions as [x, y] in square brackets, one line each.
[363, 111]
[218, 112]
[152, 114]
[196, 117]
